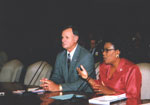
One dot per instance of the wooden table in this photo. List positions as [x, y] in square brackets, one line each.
[42, 99]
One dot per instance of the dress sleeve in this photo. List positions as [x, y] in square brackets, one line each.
[133, 85]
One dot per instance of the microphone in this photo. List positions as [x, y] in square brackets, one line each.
[40, 73]
[78, 99]
[86, 83]
[26, 87]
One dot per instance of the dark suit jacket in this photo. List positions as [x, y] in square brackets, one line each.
[96, 54]
[69, 79]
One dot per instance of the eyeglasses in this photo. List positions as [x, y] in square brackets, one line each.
[106, 50]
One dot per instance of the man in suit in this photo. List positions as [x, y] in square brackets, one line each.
[67, 79]
[95, 51]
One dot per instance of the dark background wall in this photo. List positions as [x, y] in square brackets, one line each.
[31, 30]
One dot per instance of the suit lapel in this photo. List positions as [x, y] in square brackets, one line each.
[75, 59]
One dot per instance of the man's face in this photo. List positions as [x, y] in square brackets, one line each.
[93, 43]
[69, 40]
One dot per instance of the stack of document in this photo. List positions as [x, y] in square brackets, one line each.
[32, 90]
[106, 100]
[36, 90]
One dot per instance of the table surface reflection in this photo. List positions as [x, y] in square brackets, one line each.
[29, 98]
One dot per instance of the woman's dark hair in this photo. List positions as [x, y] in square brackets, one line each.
[116, 42]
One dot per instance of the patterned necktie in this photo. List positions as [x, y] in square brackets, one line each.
[68, 60]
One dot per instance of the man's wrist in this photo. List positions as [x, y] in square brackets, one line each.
[60, 88]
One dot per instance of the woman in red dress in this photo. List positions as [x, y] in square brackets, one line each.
[116, 75]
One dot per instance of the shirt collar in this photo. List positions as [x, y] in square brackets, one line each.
[72, 52]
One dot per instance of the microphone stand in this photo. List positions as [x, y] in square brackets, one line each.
[86, 83]
[40, 73]
[26, 87]
[77, 99]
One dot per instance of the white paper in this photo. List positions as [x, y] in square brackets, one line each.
[106, 100]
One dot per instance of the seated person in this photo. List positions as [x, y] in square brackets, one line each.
[94, 50]
[116, 75]
[64, 76]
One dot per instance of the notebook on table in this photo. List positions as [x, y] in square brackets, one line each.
[106, 100]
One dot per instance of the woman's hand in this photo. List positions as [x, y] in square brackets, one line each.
[83, 73]
[101, 89]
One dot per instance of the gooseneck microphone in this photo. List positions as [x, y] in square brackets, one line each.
[26, 88]
[74, 97]
[40, 73]
[36, 72]
[86, 83]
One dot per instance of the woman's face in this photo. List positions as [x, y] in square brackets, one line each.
[109, 53]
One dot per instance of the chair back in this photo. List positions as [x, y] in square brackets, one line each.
[11, 71]
[3, 58]
[36, 71]
[145, 71]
